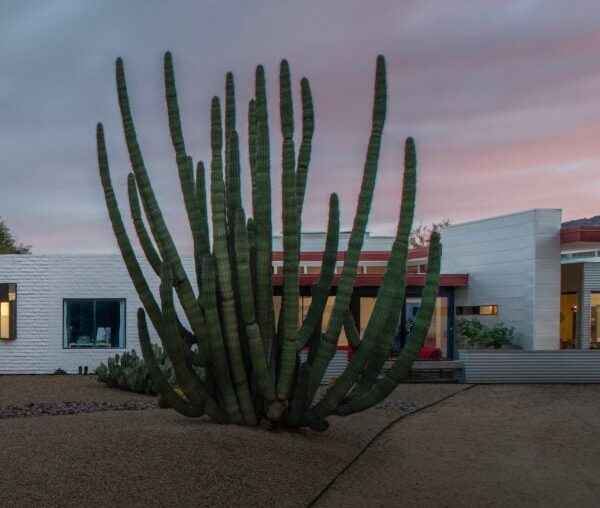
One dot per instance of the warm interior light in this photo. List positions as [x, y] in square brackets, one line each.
[4, 320]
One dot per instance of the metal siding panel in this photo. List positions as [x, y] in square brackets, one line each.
[335, 368]
[574, 366]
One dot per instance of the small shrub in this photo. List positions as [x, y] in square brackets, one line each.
[479, 336]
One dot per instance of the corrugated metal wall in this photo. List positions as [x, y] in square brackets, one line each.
[336, 367]
[516, 366]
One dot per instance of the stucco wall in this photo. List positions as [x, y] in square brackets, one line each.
[513, 261]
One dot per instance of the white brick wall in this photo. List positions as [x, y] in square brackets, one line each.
[42, 284]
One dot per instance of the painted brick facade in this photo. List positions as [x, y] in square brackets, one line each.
[43, 282]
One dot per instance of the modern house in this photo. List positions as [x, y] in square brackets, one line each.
[522, 269]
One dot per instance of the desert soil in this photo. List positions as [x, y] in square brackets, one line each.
[155, 457]
[484, 446]
[489, 446]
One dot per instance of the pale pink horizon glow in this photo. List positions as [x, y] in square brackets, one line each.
[503, 99]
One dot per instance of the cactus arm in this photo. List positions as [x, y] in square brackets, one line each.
[351, 331]
[159, 380]
[262, 218]
[252, 150]
[252, 251]
[233, 193]
[416, 338]
[384, 342]
[127, 252]
[308, 129]
[387, 307]
[136, 215]
[221, 371]
[192, 207]
[224, 272]
[203, 208]
[190, 383]
[159, 230]
[257, 351]
[314, 315]
[232, 159]
[184, 165]
[173, 108]
[345, 287]
[156, 263]
[290, 238]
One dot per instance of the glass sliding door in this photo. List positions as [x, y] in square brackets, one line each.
[595, 321]
[568, 320]
[437, 335]
[437, 339]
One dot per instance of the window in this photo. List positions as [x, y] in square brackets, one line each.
[437, 335]
[94, 323]
[340, 268]
[375, 270]
[595, 321]
[477, 310]
[568, 320]
[8, 311]
[303, 306]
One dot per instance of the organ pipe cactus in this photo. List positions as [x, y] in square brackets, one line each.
[232, 361]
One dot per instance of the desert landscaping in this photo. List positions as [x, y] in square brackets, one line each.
[428, 444]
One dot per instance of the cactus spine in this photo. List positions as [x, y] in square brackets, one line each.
[235, 364]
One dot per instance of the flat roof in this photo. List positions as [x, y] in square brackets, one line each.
[587, 234]
[369, 255]
[412, 279]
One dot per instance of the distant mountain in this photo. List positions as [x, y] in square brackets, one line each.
[592, 221]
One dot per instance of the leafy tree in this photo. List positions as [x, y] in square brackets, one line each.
[419, 237]
[9, 243]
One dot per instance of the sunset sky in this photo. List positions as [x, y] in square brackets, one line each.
[502, 97]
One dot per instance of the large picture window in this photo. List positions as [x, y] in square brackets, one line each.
[94, 323]
[8, 311]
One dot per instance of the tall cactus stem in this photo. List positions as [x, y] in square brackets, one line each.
[365, 198]
[224, 269]
[290, 238]
[262, 217]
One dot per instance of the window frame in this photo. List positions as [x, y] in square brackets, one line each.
[94, 300]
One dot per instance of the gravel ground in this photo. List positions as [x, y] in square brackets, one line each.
[157, 458]
[490, 446]
[68, 388]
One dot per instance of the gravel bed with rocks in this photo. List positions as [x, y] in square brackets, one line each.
[72, 408]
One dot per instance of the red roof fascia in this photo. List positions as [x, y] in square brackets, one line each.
[413, 279]
[372, 255]
[580, 234]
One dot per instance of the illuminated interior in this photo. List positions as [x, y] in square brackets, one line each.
[8, 309]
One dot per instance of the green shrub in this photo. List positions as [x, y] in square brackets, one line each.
[479, 336]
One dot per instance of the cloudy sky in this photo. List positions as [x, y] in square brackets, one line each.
[503, 98]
